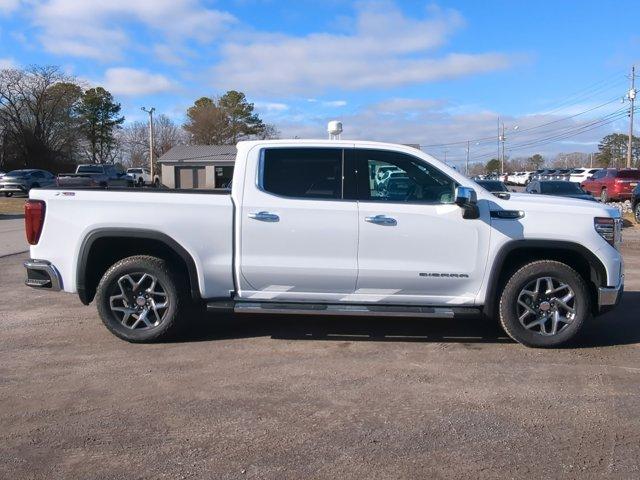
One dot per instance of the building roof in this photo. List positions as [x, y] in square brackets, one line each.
[199, 154]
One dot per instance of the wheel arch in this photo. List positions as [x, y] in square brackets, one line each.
[102, 247]
[517, 253]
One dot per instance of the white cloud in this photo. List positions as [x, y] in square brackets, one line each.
[8, 6]
[91, 28]
[335, 103]
[272, 106]
[434, 122]
[7, 63]
[386, 49]
[131, 82]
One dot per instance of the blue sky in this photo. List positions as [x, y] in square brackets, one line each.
[410, 71]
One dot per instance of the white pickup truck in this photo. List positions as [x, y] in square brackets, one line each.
[308, 229]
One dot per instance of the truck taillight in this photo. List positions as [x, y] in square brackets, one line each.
[33, 220]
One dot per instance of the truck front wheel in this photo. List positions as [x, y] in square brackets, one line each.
[139, 300]
[544, 304]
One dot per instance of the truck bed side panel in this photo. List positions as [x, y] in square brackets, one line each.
[202, 224]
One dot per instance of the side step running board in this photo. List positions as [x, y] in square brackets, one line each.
[338, 309]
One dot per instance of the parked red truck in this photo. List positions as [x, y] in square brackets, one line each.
[612, 184]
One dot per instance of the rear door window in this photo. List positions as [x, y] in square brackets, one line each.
[313, 173]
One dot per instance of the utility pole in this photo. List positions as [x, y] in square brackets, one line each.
[467, 166]
[499, 157]
[151, 169]
[591, 160]
[632, 97]
[502, 139]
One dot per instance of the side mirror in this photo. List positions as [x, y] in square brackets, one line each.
[467, 199]
[465, 196]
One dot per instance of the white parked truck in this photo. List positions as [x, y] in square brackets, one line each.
[309, 228]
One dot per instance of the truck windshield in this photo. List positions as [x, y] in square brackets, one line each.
[90, 169]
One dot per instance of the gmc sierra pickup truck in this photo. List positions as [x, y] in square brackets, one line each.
[309, 227]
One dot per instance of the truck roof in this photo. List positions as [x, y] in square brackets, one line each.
[326, 142]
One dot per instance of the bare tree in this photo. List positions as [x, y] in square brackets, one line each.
[133, 140]
[37, 113]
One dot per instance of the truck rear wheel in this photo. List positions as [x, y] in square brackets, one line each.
[544, 304]
[139, 300]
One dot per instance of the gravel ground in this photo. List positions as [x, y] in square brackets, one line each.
[313, 397]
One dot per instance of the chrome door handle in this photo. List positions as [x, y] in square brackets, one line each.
[265, 217]
[382, 220]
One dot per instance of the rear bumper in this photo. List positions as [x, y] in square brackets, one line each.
[13, 189]
[42, 274]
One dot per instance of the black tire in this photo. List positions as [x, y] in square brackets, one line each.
[604, 196]
[8, 194]
[167, 280]
[140, 182]
[525, 276]
[636, 212]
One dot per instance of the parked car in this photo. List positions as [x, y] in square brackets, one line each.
[542, 174]
[94, 175]
[524, 178]
[494, 186]
[22, 181]
[579, 175]
[559, 188]
[141, 176]
[303, 230]
[561, 174]
[635, 203]
[611, 184]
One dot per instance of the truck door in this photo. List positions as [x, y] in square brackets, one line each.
[299, 234]
[414, 246]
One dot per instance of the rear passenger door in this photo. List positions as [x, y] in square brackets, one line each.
[299, 230]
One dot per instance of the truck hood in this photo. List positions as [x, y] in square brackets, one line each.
[551, 204]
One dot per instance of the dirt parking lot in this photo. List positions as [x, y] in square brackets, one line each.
[245, 397]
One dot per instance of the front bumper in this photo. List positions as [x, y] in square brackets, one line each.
[609, 297]
[41, 274]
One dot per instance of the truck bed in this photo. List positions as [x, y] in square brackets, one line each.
[200, 221]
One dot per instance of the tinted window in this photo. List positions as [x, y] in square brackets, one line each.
[410, 179]
[135, 170]
[37, 175]
[553, 188]
[90, 169]
[598, 174]
[629, 174]
[303, 172]
[493, 185]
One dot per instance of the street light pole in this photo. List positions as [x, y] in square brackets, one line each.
[467, 166]
[151, 169]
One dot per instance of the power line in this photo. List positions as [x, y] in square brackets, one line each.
[493, 137]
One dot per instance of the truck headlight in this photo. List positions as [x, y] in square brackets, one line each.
[610, 229]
